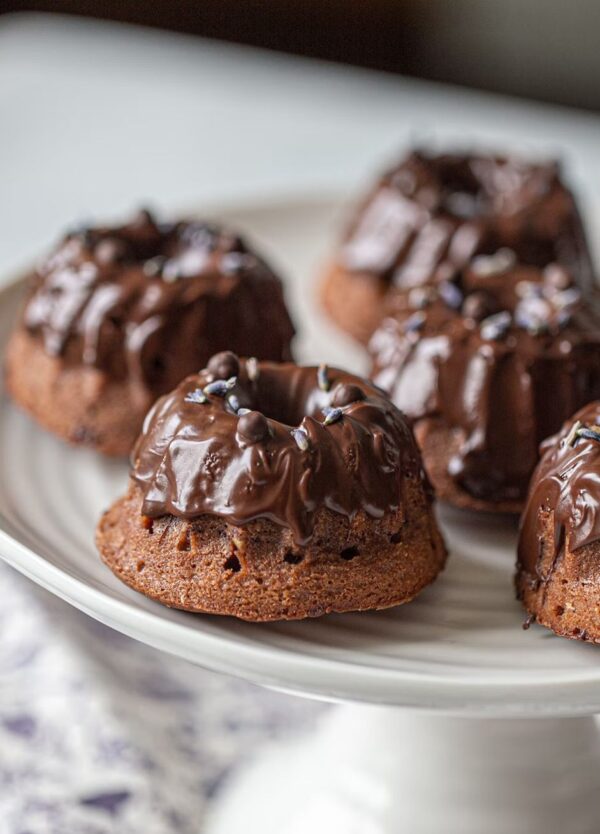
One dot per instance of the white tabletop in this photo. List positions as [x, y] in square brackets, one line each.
[97, 118]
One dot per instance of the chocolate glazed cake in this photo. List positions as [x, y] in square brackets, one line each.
[485, 367]
[431, 214]
[558, 570]
[271, 491]
[117, 316]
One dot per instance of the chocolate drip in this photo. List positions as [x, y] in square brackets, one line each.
[431, 214]
[269, 442]
[502, 355]
[567, 483]
[151, 302]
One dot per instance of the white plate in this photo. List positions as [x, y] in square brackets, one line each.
[458, 648]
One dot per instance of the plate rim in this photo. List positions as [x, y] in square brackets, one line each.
[283, 668]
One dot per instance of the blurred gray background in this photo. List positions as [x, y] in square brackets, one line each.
[540, 49]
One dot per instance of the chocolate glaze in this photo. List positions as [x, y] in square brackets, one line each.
[504, 354]
[431, 214]
[263, 448]
[151, 302]
[567, 482]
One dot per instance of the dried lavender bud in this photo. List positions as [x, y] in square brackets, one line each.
[346, 394]
[589, 433]
[557, 276]
[197, 396]
[566, 298]
[488, 265]
[415, 322]
[220, 387]
[332, 415]
[252, 368]
[253, 427]
[233, 403]
[224, 365]
[237, 261]
[171, 271]
[450, 294]
[110, 250]
[563, 319]
[495, 327]
[527, 289]
[301, 438]
[571, 438]
[477, 306]
[154, 266]
[420, 297]
[533, 314]
[323, 380]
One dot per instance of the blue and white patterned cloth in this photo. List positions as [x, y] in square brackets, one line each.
[99, 734]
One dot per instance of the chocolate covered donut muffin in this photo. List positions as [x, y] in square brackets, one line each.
[117, 316]
[558, 570]
[431, 214]
[271, 491]
[486, 366]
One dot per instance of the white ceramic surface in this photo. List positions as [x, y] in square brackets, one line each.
[380, 770]
[459, 648]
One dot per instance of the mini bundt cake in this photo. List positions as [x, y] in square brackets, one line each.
[118, 316]
[271, 491]
[485, 366]
[558, 569]
[431, 214]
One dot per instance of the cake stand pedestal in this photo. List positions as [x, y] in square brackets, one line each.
[384, 770]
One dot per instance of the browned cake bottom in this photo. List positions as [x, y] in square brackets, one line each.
[438, 444]
[80, 404]
[257, 572]
[354, 301]
[567, 600]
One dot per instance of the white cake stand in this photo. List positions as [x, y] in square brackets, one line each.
[454, 720]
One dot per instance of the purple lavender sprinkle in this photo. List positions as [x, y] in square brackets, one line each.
[332, 415]
[197, 396]
[415, 322]
[323, 378]
[495, 327]
[419, 297]
[220, 387]
[450, 294]
[566, 298]
[589, 433]
[154, 266]
[533, 314]
[252, 368]
[528, 289]
[301, 438]
[488, 265]
[563, 318]
[573, 434]
[233, 403]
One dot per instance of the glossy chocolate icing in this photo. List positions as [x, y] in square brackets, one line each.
[503, 354]
[276, 441]
[151, 302]
[431, 214]
[567, 482]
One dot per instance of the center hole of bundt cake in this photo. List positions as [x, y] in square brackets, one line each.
[285, 393]
[291, 406]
